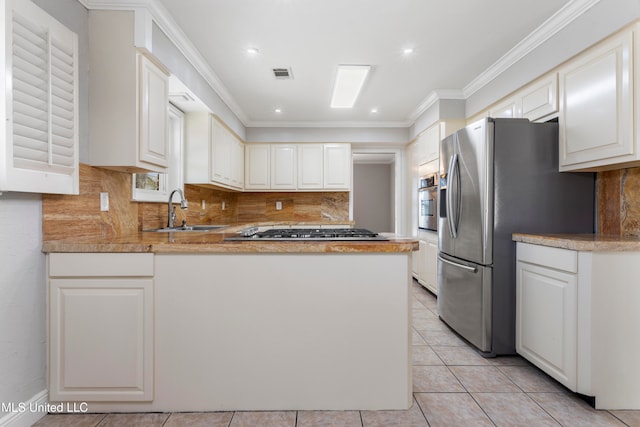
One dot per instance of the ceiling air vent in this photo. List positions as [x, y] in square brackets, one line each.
[282, 73]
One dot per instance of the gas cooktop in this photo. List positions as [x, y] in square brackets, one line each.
[309, 234]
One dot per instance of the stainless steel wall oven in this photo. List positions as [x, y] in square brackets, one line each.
[428, 202]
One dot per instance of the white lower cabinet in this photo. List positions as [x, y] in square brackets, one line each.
[577, 319]
[101, 327]
[546, 307]
[425, 260]
[180, 332]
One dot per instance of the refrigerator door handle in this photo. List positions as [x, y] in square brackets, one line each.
[453, 218]
[455, 264]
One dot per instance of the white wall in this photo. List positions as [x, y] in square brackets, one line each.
[22, 264]
[22, 298]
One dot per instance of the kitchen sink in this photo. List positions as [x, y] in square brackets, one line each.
[186, 228]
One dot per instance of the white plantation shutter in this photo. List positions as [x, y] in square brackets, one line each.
[43, 98]
[30, 54]
[41, 110]
[62, 105]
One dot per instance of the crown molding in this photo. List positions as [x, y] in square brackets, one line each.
[327, 124]
[567, 14]
[431, 99]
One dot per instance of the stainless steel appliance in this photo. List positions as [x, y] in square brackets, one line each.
[324, 234]
[499, 176]
[428, 202]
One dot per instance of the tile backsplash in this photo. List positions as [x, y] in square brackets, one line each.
[80, 215]
[618, 198]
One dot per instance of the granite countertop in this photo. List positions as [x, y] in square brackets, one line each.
[213, 242]
[582, 242]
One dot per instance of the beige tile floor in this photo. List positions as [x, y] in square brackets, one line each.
[452, 384]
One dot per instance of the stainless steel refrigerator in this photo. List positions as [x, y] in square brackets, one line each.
[498, 177]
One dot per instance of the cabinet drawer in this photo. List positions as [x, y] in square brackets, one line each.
[560, 259]
[100, 264]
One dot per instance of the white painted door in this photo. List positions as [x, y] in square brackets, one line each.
[310, 166]
[596, 106]
[154, 113]
[283, 167]
[546, 320]
[337, 166]
[102, 339]
[257, 167]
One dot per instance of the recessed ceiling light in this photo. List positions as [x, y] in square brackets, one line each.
[253, 50]
[349, 82]
[277, 110]
[408, 50]
[374, 110]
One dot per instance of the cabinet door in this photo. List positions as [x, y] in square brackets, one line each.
[422, 263]
[154, 113]
[432, 143]
[510, 108]
[257, 175]
[541, 98]
[220, 154]
[237, 164]
[431, 260]
[310, 166]
[596, 111]
[101, 346]
[415, 264]
[546, 320]
[283, 167]
[337, 166]
[39, 119]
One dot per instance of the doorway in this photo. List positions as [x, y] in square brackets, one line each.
[374, 195]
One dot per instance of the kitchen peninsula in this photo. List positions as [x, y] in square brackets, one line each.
[184, 321]
[577, 317]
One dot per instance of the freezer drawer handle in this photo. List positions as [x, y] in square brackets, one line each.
[455, 264]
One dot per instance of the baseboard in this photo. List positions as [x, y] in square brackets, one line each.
[23, 414]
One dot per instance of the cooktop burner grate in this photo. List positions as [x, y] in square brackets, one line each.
[311, 234]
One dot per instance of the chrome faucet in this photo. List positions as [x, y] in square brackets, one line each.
[172, 213]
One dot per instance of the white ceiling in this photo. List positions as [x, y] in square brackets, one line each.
[455, 41]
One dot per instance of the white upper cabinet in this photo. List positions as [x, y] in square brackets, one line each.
[539, 100]
[298, 167]
[257, 172]
[39, 119]
[310, 166]
[596, 107]
[237, 162]
[428, 145]
[337, 166]
[283, 167]
[214, 155]
[507, 109]
[128, 103]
